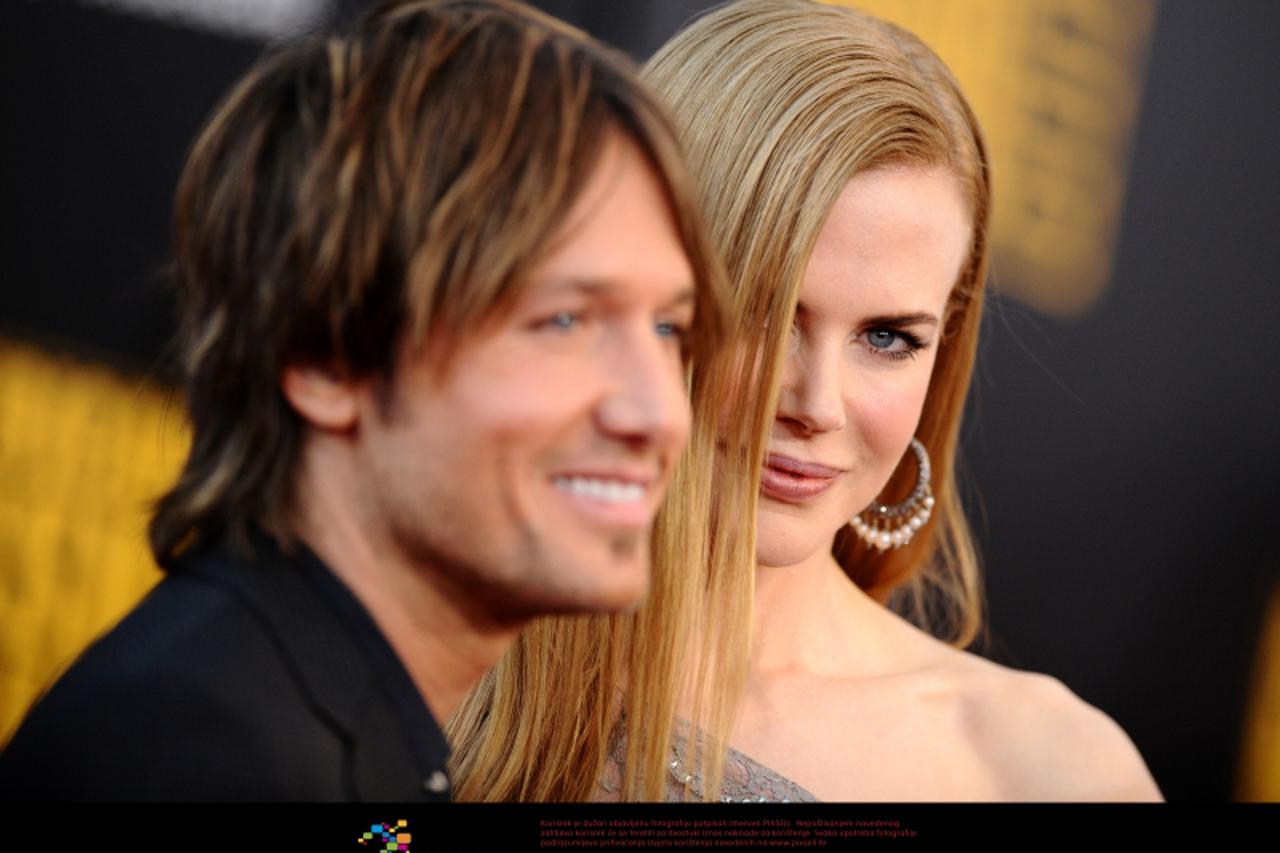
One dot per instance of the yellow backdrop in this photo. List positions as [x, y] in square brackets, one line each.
[1056, 86]
[82, 452]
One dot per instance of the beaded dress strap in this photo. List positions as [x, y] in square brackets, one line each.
[745, 779]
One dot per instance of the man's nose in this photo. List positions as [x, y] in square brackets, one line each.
[812, 394]
[647, 402]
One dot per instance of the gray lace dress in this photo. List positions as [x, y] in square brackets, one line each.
[745, 779]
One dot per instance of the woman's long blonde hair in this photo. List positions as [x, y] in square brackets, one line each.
[778, 103]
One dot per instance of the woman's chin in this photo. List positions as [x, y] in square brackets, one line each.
[792, 552]
[788, 536]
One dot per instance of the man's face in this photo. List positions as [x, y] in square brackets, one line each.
[527, 478]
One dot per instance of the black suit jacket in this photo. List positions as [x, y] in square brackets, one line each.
[234, 680]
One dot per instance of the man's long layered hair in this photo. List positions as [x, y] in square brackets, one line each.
[358, 190]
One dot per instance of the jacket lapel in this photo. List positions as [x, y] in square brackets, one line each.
[331, 666]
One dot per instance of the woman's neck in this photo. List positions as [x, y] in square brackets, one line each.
[812, 618]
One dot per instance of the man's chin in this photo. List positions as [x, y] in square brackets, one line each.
[628, 598]
[621, 587]
[618, 580]
[574, 587]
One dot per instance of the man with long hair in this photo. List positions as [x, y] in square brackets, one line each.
[439, 280]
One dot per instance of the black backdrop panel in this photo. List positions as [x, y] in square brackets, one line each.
[99, 110]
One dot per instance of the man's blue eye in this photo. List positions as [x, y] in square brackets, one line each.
[672, 331]
[563, 320]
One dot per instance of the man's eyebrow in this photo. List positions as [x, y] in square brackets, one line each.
[605, 287]
[685, 297]
[917, 319]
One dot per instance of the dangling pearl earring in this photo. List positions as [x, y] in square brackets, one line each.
[884, 527]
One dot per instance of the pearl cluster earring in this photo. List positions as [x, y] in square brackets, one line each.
[884, 527]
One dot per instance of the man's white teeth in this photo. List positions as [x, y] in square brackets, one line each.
[612, 491]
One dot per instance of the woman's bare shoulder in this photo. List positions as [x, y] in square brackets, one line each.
[1041, 741]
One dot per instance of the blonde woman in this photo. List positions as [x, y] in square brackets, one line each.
[845, 182]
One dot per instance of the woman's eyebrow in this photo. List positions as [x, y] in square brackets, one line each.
[919, 318]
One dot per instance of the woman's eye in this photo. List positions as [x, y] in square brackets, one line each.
[889, 343]
[881, 338]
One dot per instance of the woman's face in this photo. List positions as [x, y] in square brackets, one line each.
[866, 335]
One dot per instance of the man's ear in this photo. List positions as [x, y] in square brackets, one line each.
[323, 396]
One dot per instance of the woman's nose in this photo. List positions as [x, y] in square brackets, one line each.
[812, 394]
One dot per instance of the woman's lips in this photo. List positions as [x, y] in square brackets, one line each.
[788, 479]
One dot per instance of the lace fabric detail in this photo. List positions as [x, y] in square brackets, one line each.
[745, 779]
